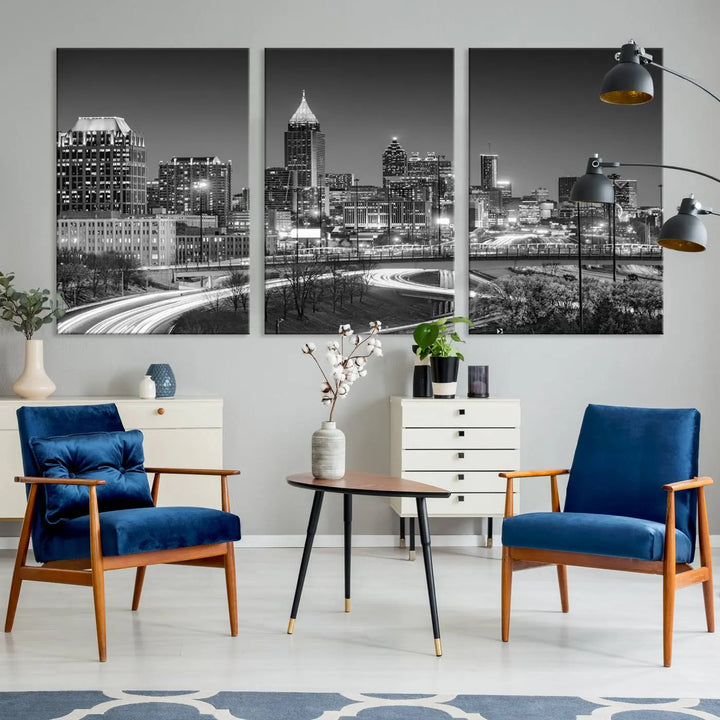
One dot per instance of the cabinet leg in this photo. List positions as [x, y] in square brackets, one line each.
[411, 554]
[489, 542]
[402, 532]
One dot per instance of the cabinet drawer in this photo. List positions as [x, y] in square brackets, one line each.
[457, 505]
[176, 413]
[460, 460]
[459, 482]
[460, 413]
[451, 438]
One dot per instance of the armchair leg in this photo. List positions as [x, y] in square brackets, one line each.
[98, 586]
[709, 604]
[562, 582]
[507, 571]
[668, 617]
[231, 584]
[139, 580]
[98, 575]
[20, 558]
[706, 560]
[669, 581]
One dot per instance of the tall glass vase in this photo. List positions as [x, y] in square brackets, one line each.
[34, 383]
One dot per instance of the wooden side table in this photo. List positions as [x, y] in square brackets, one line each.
[362, 483]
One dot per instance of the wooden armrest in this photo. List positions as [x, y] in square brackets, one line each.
[58, 481]
[533, 473]
[688, 484]
[190, 471]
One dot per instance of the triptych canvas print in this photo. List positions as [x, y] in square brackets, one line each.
[359, 198]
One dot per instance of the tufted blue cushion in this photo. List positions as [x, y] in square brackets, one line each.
[116, 457]
[625, 455]
[123, 532]
[39, 421]
[593, 534]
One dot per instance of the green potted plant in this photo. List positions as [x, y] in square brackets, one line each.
[438, 340]
[27, 312]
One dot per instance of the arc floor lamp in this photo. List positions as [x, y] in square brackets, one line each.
[630, 83]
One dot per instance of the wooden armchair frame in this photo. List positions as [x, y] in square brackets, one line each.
[90, 571]
[675, 575]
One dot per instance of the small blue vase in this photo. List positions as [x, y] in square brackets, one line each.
[164, 380]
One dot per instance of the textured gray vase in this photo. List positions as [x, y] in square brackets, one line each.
[328, 452]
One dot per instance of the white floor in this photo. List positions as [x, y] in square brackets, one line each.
[608, 645]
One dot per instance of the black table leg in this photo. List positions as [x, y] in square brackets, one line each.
[429, 576]
[489, 535]
[310, 536]
[411, 555]
[347, 520]
[402, 532]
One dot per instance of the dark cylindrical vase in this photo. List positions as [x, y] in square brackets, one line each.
[444, 376]
[422, 377]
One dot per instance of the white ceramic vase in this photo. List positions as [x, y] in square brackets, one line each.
[146, 389]
[328, 452]
[34, 383]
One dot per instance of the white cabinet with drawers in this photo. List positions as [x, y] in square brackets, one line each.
[460, 445]
[178, 432]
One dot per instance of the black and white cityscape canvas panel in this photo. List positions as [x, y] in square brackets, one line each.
[152, 197]
[359, 188]
[539, 263]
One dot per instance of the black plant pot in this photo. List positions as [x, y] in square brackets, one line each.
[422, 377]
[444, 376]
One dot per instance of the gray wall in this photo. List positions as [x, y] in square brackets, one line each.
[270, 389]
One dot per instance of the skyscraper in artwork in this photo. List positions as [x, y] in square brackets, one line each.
[101, 167]
[488, 171]
[305, 147]
[394, 160]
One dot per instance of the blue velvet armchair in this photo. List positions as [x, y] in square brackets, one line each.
[90, 509]
[634, 502]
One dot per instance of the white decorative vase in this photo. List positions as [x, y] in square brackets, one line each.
[34, 384]
[146, 389]
[328, 452]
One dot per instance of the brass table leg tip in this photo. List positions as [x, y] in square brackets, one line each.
[489, 542]
[291, 626]
[347, 604]
[438, 647]
[411, 555]
[402, 543]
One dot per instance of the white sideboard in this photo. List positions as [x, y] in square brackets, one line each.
[178, 432]
[458, 444]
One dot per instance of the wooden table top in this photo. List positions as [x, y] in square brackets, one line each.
[365, 483]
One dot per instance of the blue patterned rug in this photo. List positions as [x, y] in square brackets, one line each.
[150, 705]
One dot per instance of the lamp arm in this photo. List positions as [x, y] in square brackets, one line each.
[669, 167]
[684, 77]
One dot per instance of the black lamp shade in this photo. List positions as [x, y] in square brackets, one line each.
[685, 231]
[629, 82]
[593, 186]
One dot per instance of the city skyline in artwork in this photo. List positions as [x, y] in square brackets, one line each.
[359, 188]
[152, 198]
[538, 262]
